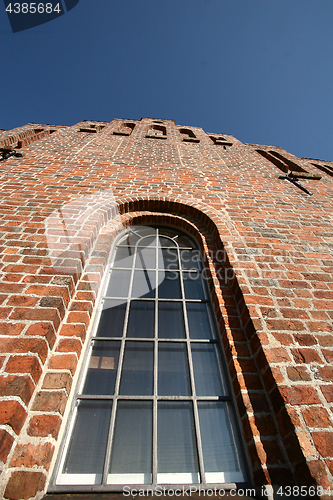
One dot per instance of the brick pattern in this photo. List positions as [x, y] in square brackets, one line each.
[268, 249]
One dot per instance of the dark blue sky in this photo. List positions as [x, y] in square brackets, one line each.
[261, 70]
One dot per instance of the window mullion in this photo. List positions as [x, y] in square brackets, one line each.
[109, 444]
[190, 361]
[154, 481]
[119, 372]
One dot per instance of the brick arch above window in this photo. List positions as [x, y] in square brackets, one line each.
[236, 325]
[253, 379]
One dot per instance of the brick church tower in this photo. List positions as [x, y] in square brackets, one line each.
[166, 313]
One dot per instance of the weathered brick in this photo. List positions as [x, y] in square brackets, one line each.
[326, 373]
[63, 362]
[29, 455]
[18, 300]
[75, 330]
[69, 345]
[25, 364]
[297, 373]
[316, 417]
[11, 328]
[323, 442]
[24, 345]
[305, 339]
[57, 380]
[306, 356]
[13, 414]
[49, 291]
[23, 485]
[79, 317]
[23, 313]
[6, 441]
[299, 395]
[21, 386]
[44, 425]
[53, 401]
[44, 330]
[328, 354]
[276, 355]
[327, 390]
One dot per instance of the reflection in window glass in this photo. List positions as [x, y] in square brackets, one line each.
[190, 259]
[177, 458]
[131, 458]
[169, 287]
[137, 373]
[206, 369]
[173, 370]
[145, 258]
[111, 323]
[171, 320]
[102, 370]
[141, 321]
[169, 260]
[144, 284]
[166, 242]
[220, 453]
[124, 257]
[193, 285]
[119, 284]
[87, 446]
[198, 322]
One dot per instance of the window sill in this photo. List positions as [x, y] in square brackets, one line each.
[121, 496]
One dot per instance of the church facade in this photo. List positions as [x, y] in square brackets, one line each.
[224, 326]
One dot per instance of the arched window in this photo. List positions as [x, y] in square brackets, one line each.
[153, 405]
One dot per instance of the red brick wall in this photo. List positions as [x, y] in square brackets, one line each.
[268, 249]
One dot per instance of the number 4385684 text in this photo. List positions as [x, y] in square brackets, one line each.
[33, 8]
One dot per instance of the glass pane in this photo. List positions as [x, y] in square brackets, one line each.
[144, 284]
[171, 320]
[102, 370]
[131, 458]
[190, 259]
[207, 374]
[131, 238]
[166, 242]
[111, 323]
[147, 241]
[137, 373]
[167, 231]
[169, 287]
[141, 319]
[119, 284]
[145, 230]
[177, 458]
[145, 258]
[173, 370]
[169, 259]
[220, 452]
[87, 446]
[193, 286]
[198, 321]
[185, 241]
[124, 257]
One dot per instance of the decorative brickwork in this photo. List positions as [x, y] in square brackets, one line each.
[267, 249]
